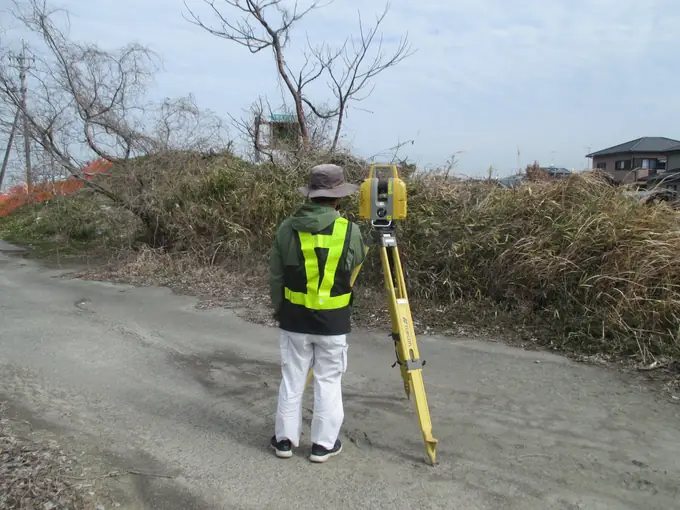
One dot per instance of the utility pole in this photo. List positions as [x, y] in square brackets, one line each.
[27, 137]
[22, 60]
[5, 160]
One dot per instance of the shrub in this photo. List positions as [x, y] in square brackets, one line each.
[577, 256]
[69, 223]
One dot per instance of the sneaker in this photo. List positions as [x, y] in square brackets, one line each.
[284, 448]
[321, 454]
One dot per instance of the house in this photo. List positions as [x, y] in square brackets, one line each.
[556, 172]
[668, 179]
[551, 172]
[511, 181]
[637, 160]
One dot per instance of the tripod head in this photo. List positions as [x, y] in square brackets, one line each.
[382, 197]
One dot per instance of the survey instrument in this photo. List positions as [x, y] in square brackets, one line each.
[382, 201]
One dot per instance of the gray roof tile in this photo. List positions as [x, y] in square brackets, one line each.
[644, 144]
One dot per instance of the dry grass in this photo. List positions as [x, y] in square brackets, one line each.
[596, 267]
[35, 475]
[594, 270]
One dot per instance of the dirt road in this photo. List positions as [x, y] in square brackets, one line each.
[152, 383]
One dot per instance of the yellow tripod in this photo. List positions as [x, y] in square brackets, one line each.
[384, 200]
[404, 336]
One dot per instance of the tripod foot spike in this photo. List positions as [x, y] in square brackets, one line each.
[431, 449]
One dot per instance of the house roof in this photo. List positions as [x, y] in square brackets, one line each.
[644, 144]
[512, 180]
[556, 170]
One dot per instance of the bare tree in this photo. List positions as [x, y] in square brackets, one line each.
[179, 124]
[8, 146]
[350, 67]
[87, 103]
[251, 129]
[81, 96]
[9, 120]
[257, 32]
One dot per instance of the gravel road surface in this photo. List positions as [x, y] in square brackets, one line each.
[159, 386]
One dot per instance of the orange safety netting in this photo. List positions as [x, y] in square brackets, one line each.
[17, 196]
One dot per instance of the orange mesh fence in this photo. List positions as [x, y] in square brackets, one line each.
[17, 196]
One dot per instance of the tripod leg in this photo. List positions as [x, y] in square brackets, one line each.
[309, 377]
[408, 352]
[392, 305]
[413, 365]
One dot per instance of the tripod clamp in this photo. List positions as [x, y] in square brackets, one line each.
[383, 233]
[409, 364]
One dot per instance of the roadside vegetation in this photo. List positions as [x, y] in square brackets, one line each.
[37, 473]
[576, 264]
[579, 263]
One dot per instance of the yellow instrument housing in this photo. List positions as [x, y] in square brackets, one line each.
[382, 199]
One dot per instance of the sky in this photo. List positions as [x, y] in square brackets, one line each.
[554, 79]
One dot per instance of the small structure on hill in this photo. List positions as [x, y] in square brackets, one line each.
[279, 132]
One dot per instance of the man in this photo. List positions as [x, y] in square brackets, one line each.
[315, 258]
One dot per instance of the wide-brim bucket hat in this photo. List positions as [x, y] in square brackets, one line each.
[328, 181]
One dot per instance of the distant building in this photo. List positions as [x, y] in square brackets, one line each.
[280, 131]
[636, 160]
[556, 172]
[669, 180]
[552, 172]
[512, 180]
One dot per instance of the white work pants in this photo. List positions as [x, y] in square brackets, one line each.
[327, 355]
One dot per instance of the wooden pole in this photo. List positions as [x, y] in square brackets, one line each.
[27, 133]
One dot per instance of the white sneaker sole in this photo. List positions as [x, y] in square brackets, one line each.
[282, 455]
[324, 458]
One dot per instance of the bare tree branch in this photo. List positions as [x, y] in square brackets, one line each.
[86, 103]
[79, 81]
[251, 128]
[350, 68]
[255, 30]
[349, 80]
[180, 124]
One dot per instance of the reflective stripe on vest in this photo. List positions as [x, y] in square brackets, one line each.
[318, 297]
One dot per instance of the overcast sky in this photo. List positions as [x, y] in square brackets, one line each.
[552, 77]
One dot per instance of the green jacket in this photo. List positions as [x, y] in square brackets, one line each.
[313, 218]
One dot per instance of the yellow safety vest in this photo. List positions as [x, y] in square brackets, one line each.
[318, 294]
